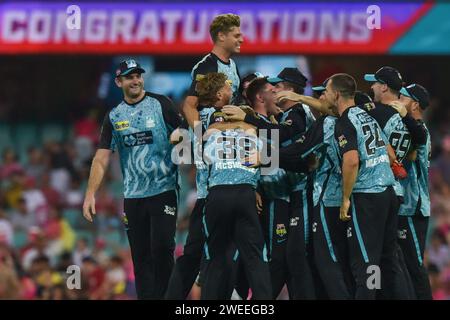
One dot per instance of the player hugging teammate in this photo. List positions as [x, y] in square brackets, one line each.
[315, 193]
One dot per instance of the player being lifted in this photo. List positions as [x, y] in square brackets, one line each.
[227, 38]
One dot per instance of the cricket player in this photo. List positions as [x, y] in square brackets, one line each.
[386, 84]
[227, 38]
[293, 122]
[415, 210]
[328, 231]
[274, 188]
[368, 200]
[227, 222]
[139, 128]
[214, 91]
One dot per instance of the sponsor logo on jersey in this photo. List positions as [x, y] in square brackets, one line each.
[169, 210]
[281, 230]
[125, 220]
[121, 125]
[301, 139]
[138, 138]
[149, 123]
[402, 234]
[369, 106]
[218, 117]
[294, 221]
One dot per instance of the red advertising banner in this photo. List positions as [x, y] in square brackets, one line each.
[145, 28]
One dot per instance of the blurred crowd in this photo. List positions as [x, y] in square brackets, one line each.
[42, 231]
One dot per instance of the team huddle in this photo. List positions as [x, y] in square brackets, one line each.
[327, 195]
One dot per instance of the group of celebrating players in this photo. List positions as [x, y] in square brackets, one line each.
[327, 195]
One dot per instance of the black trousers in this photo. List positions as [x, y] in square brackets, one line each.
[231, 219]
[412, 233]
[187, 266]
[331, 252]
[400, 286]
[275, 222]
[301, 282]
[372, 241]
[151, 224]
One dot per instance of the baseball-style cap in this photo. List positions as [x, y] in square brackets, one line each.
[128, 66]
[386, 75]
[252, 76]
[362, 98]
[418, 94]
[292, 75]
[320, 88]
[249, 78]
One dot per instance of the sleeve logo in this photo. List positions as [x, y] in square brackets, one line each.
[199, 77]
[342, 141]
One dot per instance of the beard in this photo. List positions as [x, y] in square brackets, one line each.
[134, 93]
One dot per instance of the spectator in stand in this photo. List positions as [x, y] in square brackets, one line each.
[44, 277]
[442, 163]
[86, 131]
[6, 229]
[61, 167]
[51, 195]
[60, 234]
[95, 277]
[99, 252]
[438, 251]
[115, 279]
[10, 164]
[35, 200]
[65, 261]
[107, 210]
[9, 281]
[437, 287]
[14, 186]
[21, 219]
[74, 196]
[35, 166]
[82, 251]
[36, 248]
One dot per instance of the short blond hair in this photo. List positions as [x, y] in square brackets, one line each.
[223, 23]
[208, 86]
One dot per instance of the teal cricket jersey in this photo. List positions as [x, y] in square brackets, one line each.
[417, 195]
[140, 133]
[357, 130]
[328, 177]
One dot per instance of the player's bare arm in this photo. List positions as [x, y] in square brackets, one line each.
[98, 169]
[189, 109]
[319, 105]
